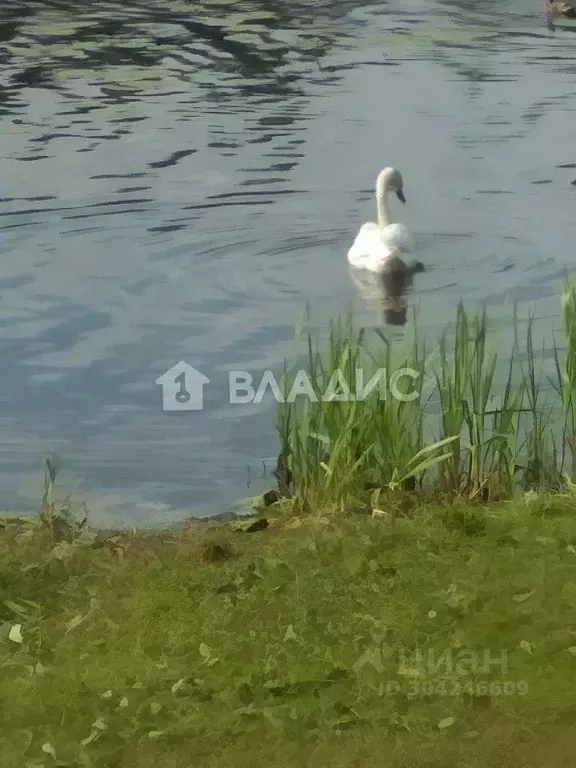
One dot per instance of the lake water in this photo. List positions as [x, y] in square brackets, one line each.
[176, 184]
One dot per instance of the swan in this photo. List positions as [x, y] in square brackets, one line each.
[379, 247]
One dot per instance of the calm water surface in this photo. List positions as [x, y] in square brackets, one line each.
[176, 184]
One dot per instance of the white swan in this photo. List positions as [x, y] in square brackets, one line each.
[379, 247]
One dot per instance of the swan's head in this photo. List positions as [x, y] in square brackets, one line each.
[391, 178]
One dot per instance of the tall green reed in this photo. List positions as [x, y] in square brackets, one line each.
[360, 426]
[566, 373]
[493, 438]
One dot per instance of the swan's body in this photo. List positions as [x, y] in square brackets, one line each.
[379, 247]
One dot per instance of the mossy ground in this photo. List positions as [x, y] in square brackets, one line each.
[296, 645]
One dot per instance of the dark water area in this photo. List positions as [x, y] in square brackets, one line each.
[177, 180]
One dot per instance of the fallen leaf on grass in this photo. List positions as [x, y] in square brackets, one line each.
[290, 634]
[446, 723]
[78, 619]
[522, 597]
[15, 633]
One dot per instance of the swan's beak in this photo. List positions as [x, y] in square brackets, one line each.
[400, 195]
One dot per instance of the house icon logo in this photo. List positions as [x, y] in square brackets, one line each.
[182, 388]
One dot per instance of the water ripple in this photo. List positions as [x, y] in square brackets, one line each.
[177, 186]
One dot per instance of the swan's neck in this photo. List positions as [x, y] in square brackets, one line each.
[382, 204]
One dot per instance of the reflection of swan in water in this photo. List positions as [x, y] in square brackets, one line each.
[376, 255]
[386, 292]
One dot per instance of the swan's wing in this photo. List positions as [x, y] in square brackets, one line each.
[369, 251]
[397, 236]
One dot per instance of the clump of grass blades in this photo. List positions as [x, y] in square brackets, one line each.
[339, 446]
[58, 516]
[483, 460]
[491, 435]
[566, 372]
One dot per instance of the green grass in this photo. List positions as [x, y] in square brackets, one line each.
[412, 602]
[296, 645]
[478, 427]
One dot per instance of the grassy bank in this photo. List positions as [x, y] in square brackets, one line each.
[444, 638]
[406, 598]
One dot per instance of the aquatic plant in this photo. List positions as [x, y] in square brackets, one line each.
[489, 431]
[59, 517]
